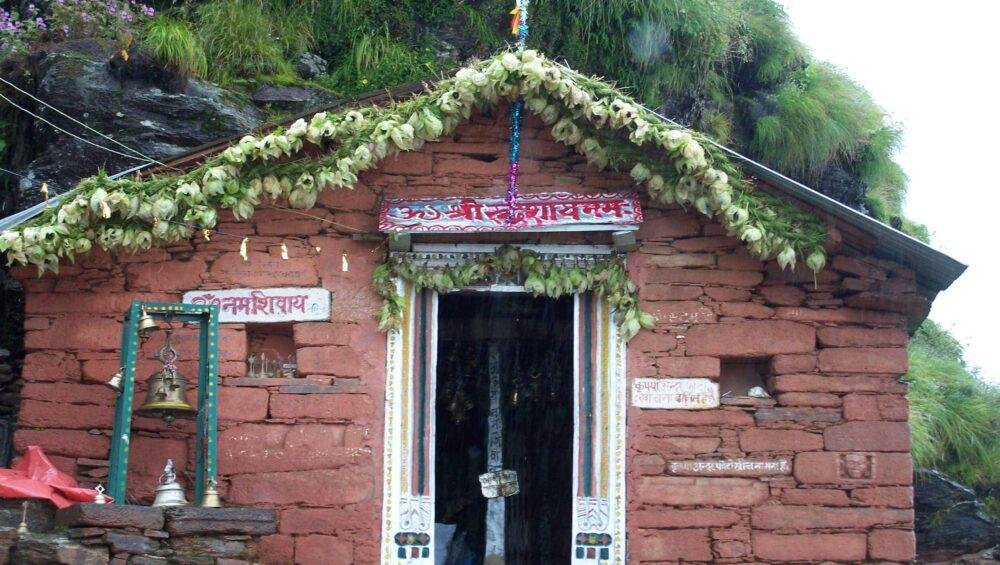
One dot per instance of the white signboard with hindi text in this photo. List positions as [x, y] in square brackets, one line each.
[677, 394]
[265, 305]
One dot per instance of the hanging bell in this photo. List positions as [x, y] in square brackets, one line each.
[146, 323]
[166, 398]
[170, 492]
[211, 497]
[166, 394]
[115, 382]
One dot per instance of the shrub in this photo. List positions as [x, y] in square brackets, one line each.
[377, 61]
[954, 416]
[239, 40]
[175, 46]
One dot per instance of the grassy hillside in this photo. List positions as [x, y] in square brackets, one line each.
[954, 416]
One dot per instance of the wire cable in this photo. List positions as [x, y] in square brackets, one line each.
[73, 135]
[76, 121]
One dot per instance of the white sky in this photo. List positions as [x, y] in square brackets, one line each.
[933, 67]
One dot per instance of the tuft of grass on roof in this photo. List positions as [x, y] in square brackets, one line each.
[176, 46]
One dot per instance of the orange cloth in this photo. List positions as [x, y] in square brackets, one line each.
[34, 476]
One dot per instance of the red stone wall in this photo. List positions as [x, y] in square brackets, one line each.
[834, 349]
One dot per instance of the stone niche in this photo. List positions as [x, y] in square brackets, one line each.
[122, 533]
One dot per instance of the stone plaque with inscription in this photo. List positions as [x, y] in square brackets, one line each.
[677, 394]
[265, 305]
[730, 467]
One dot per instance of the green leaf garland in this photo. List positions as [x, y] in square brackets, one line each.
[607, 278]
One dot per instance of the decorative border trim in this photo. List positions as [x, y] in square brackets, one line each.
[598, 510]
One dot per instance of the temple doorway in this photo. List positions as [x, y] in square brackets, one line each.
[504, 401]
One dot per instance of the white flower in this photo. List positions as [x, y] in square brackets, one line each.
[786, 257]
[297, 129]
[640, 172]
[271, 186]
[750, 234]
[816, 260]
[234, 155]
[510, 61]
[362, 156]
[550, 114]
[656, 183]
[402, 136]
[247, 143]
[164, 208]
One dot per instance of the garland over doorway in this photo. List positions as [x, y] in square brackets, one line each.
[541, 275]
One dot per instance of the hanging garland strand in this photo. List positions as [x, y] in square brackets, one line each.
[607, 278]
[519, 27]
[610, 129]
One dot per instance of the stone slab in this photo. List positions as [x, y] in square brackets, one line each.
[111, 516]
[191, 520]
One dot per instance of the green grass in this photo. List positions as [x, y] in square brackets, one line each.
[954, 415]
[240, 40]
[176, 46]
[733, 68]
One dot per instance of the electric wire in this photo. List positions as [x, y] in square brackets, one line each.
[73, 135]
[76, 121]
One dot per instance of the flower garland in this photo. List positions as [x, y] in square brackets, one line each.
[607, 278]
[600, 122]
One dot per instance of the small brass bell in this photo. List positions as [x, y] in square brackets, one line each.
[170, 492]
[211, 497]
[146, 323]
[166, 396]
[115, 382]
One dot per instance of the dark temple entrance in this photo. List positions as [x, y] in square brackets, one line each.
[517, 351]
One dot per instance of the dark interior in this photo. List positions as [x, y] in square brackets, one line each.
[533, 339]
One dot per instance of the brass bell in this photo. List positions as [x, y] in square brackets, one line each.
[166, 396]
[146, 323]
[170, 492]
[115, 382]
[211, 497]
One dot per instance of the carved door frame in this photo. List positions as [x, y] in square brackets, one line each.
[599, 426]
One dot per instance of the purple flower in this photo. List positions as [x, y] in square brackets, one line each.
[65, 30]
[40, 23]
[85, 16]
[31, 8]
[111, 10]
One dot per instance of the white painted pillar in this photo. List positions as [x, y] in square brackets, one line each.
[494, 447]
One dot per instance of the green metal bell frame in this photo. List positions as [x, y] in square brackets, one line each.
[206, 440]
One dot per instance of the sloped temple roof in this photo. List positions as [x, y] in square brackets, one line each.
[786, 220]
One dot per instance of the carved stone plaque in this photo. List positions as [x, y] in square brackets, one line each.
[730, 467]
[678, 394]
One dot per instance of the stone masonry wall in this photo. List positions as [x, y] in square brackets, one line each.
[833, 350]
